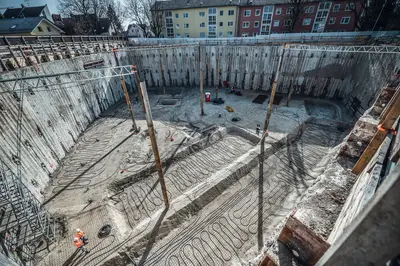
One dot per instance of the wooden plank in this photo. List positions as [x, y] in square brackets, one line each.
[389, 106]
[267, 261]
[378, 138]
[306, 245]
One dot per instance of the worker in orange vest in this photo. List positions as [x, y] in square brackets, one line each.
[79, 244]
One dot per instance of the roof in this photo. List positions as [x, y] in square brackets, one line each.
[184, 4]
[26, 12]
[262, 2]
[21, 25]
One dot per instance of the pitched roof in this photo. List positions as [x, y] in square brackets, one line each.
[21, 25]
[184, 4]
[26, 12]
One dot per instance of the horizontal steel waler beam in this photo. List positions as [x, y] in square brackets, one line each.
[46, 81]
[345, 49]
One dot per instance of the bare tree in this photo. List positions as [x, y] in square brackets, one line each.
[296, 10]
[115, 14]
[378, 14]
[146, 14]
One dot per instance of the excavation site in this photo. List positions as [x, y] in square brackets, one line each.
[198, 154]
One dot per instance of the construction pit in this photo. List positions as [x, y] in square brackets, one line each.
[230, 193]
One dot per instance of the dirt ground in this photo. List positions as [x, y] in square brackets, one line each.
[220, 213]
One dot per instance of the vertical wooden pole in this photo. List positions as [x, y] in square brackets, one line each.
[273, 90]
[201, 85]
[154, 146]
[137, 81]
[128, 100]
[217, 75]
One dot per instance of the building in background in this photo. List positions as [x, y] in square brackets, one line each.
[29, 26]
[245, 18]
[198, 19]
[88, 25]
[135, 31]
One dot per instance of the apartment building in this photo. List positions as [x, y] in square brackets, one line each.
[199, 19]
[245, 18]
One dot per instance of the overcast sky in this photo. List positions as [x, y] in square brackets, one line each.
[52, 4]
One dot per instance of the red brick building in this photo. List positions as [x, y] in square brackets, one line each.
[261, 17]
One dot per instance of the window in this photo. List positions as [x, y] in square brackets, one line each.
[212, 31]
[245, 34]
[178, 35]
[332, 20]
[309, 9]
[169, 23]
[48, 29]
[349, 7]
[276, 23]
[306, 21]
[168, 13]
[324, 5]
[187, 35]
[202, 25]
[278, 11]
[221, 24]
[170, 32]
[39, 28]
[287, 22]
[177, 26]
[336, 8]
[221, 12]
[185, 15]
[255, 34]
[345, 20]
[268, 9]
[258, 12]
[220, 34]
[289, 10]
[212, 20]
[230, 23]
[202, 14]
[231, 12]
[247, 13]
[212, 11]
[186, 26]
[176, 15]
[246, 24]
[229, 34]
[256, 24]
[202, 34]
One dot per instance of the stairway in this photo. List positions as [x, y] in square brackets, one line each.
[24, 223]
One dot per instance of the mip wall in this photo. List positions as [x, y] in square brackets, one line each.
[309, 73]
[54, 118]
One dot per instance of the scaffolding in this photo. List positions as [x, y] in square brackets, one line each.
[23, 222]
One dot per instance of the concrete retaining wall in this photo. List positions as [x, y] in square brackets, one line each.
[311, 73]
[53, 118]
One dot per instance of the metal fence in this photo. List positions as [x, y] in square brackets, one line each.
[326, 37]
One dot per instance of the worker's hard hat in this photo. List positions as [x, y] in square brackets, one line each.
[76, 239]
[78, 230]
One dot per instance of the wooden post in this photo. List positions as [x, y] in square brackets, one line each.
[201, 85]
[216, 75]
[137, 81]
[35, 54]
[378, 138]
[27, 63]
[154, 146]
[162, 75]
[128, 100]
[273, 90]
[15, 58]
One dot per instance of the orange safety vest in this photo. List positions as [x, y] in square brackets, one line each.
[78, 243]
